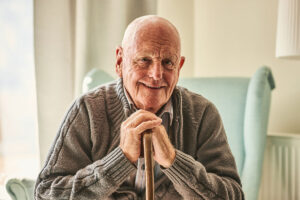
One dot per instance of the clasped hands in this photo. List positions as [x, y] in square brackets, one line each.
[131, 138]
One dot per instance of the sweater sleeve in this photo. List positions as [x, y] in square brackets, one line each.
[70, 172]
[212, 174]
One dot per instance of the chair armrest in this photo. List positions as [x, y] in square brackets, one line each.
[255, 129]
[20, 189]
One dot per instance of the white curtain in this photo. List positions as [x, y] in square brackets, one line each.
[72, 37]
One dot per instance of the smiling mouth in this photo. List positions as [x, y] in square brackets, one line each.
[153, 87]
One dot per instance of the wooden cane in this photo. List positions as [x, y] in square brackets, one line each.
[147, 142]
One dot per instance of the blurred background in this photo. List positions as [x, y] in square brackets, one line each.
[18, 115]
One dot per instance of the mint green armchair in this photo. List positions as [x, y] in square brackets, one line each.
[244, 107]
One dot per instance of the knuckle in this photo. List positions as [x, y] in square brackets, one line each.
[123, 124]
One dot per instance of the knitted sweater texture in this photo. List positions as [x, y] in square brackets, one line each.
[86, 162]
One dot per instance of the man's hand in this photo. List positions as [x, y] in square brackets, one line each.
[131, 138]
[131, 132]
[164, 152]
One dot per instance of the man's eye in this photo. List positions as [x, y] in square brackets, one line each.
[145, 59]
[143, 62]
[168, 64]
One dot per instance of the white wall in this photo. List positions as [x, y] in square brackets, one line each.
[234, 38]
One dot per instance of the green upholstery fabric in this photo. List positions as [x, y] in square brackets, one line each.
[244, 106]
[94, 78]
[255, 129]
[229, 96]
[20, 189]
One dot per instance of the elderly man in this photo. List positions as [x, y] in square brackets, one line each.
[97, 153]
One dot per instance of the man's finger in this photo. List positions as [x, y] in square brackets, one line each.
[140, 117]
[132, 116]
[147, 125]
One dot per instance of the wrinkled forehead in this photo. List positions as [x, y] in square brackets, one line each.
[157, 50]
[155, 42]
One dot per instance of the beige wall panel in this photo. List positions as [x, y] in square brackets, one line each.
[234, 38]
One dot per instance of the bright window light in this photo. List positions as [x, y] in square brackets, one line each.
[18, 116]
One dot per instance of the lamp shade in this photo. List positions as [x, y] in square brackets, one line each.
[288, 29]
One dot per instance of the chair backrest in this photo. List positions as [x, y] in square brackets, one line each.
[243, 104]
[94, 78]
[229, 96]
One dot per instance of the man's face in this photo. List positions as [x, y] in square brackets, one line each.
[150, 67]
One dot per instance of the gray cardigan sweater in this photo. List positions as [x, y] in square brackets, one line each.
[86, 162]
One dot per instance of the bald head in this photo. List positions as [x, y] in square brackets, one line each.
[150, 24]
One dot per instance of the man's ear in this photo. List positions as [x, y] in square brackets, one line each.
[182, 59]
[119, 61]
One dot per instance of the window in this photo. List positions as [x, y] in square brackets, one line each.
[18, 115]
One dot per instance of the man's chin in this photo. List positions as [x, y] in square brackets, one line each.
[151, 105]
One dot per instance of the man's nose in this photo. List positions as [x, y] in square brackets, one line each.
[156, 70]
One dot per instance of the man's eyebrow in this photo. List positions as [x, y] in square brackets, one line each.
[144, 53]
[172, 57]
[149, 53]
